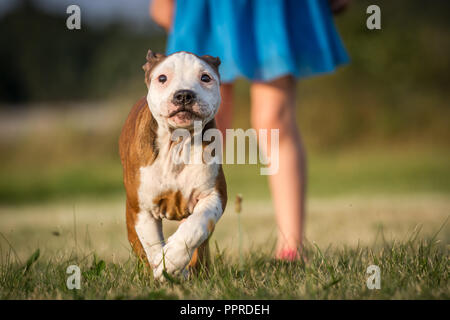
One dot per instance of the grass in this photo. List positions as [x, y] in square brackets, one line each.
[412, 269]
[345, 235]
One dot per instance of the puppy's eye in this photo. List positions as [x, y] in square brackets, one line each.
[162, 78]
[205, 78]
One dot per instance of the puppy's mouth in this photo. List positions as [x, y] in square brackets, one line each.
[185, 113]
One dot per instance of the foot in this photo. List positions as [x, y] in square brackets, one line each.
[288, 255]
[176, 257]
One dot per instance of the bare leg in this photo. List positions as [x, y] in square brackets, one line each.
[273, 107]
[224, 116]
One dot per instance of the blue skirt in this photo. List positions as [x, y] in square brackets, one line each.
[260, 40]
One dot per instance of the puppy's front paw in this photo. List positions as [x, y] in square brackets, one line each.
[174, 260]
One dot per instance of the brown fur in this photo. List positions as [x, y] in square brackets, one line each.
[200, 258]
[153, 59]
[173, 204]
[137, 147]
[214, 62]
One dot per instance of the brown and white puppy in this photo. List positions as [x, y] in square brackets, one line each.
[182, 88]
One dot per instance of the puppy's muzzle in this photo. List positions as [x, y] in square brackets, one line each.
[185, 101]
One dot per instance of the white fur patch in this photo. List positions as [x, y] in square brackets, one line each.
[149, 231]
[164, 175]
[183, 71]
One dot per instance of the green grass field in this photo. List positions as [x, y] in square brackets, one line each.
[413, 262]
[410, 269]
[364, 208]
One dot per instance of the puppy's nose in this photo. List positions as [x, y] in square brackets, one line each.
[184, 98]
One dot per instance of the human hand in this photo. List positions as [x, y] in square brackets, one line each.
[161, 11]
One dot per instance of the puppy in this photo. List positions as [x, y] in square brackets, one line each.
[183, 90]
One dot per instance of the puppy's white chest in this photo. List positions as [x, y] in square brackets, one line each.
[170, 190]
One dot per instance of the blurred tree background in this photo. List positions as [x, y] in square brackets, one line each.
[43, 61]
[393, 95]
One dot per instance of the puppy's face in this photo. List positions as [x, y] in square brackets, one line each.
[182, 88]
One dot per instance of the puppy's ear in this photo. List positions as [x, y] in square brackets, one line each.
[152, 60]
[212, 61]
